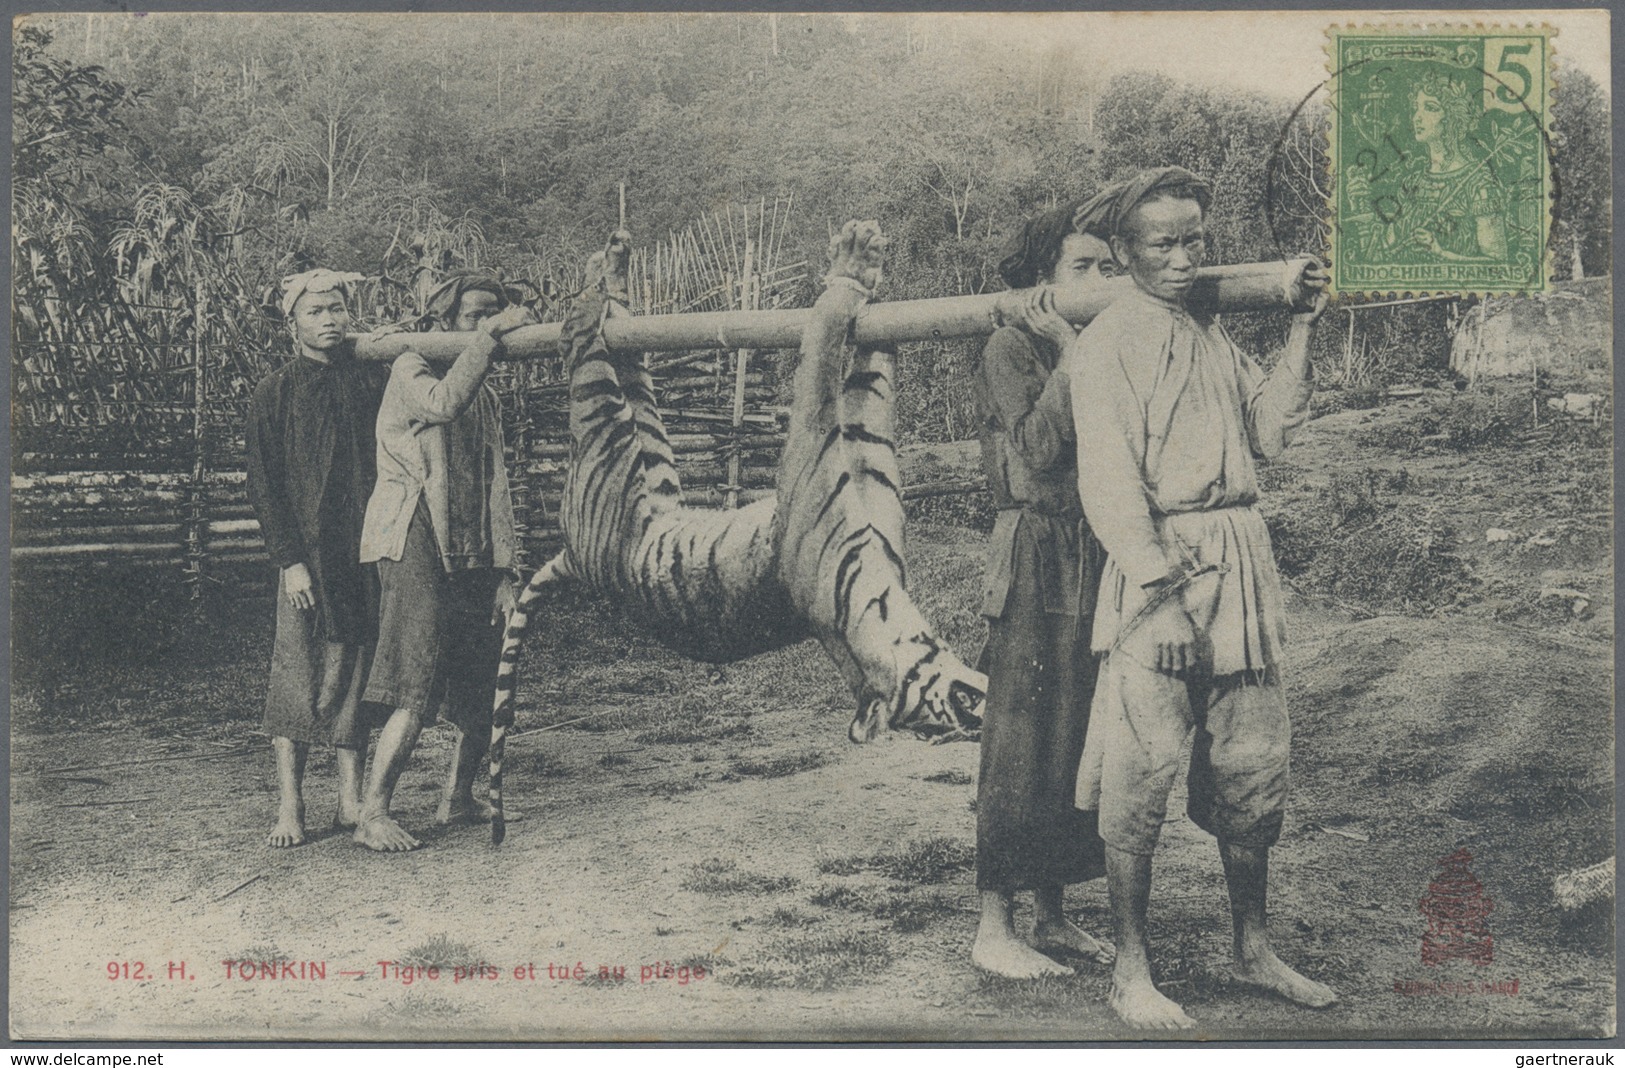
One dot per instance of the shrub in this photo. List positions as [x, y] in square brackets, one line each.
[1401, 559]
[1362, 397]
[1478, 420]
[1355, 541]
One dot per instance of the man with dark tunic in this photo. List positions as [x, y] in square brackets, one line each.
[1169, 415]
[440, 527]
[1043, 566]
[310, 473]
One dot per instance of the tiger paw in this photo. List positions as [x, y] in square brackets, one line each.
[856, 255]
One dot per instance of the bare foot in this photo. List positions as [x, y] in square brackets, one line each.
[1067, 937]
[383, 834]
[1002, 955]
[472, 810]
[347, 817]
[1140, 1004]
[289, 830]
[1271, 973]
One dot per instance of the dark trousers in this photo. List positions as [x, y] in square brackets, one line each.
[1041, 680]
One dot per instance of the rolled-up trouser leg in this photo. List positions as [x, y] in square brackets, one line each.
[1137, 731]
[1240, 760]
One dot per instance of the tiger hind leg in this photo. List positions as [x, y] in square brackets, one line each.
[841, 520]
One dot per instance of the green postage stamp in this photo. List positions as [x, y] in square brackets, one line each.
[1440, 160]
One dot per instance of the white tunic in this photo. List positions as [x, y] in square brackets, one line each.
[1169, 415]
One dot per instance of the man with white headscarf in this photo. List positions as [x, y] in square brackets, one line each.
[310, 473]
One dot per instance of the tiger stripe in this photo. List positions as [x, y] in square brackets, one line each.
[824, 558]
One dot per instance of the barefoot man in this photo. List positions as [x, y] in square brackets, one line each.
[1039, 598]
[310, 472]
[1169, 415]
[440, 526]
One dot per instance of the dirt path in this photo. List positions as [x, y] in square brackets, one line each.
[715, 820]
[823, 888]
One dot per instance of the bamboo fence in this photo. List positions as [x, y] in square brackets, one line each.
[128, 450]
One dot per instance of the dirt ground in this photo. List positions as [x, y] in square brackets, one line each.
[690, 822]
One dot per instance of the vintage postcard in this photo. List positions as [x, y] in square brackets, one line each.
[900, 526]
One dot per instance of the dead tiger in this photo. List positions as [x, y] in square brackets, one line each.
[824, 558]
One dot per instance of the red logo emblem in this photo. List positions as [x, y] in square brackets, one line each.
[1455, 908]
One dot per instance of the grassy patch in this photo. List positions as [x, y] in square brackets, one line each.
[614, 760]
[606, 977]
[1184, 962]
[910, 913]
[974, 511]
[789, 917]
[835, 896]
[687, 722]
[536, 764]
[263, 954]
[676, 787]
[907, 912]
[950, 777]
[1356, 539]
[842, 865]
[1479, 419]
[777, 767]
[416, 1008]
[440, 952]
[708, 963]
[1400, 560]
[1041, 998]
[926, 860]
[1362, 398]
[718, 876]
[815, 962]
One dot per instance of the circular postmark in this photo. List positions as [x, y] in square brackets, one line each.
[1423, 167]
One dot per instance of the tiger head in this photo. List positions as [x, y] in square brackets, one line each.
[947, 707]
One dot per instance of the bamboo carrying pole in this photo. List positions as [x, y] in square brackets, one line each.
[1241, 287]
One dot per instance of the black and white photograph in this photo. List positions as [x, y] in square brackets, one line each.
[745, 526]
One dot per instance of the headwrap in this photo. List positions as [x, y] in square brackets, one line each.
[443, 301]
[320, 280]
[1091, 216]
[1109, 209]
[1036, 247]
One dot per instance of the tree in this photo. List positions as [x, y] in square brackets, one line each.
[66, 117]
[1582, 165]
[67, 127]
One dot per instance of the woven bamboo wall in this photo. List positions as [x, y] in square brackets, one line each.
[128, 450]
[88, 499]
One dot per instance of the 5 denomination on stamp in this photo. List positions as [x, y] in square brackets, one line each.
[1440, 159]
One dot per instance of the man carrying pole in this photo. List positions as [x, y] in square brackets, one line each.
[1169, 415]
[440, 526]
